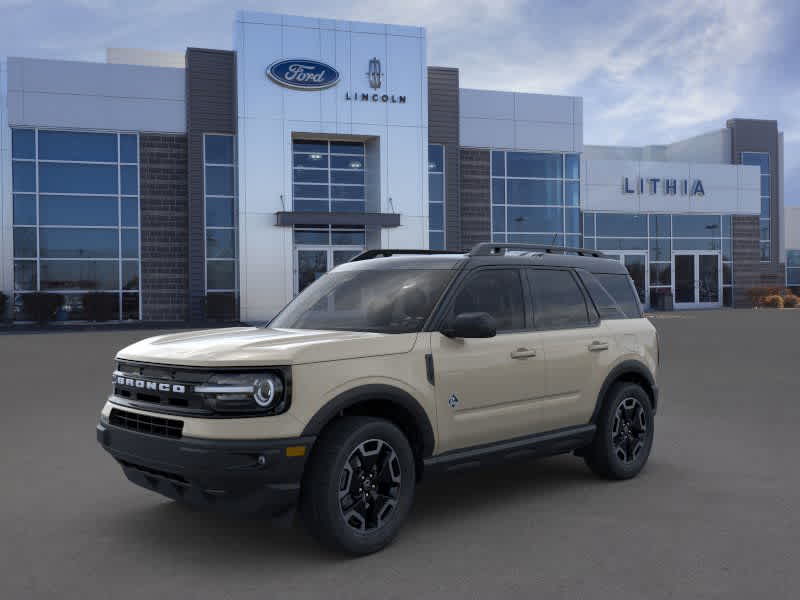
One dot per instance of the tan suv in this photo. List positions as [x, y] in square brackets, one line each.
[394, 365]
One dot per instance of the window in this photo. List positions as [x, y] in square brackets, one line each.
[607, 307]
[622, 290]
[535, 198]
[219, 156]
[762, 160]
[436, 197]
[497, 292]
[558, 302]
[659, 235]
[76, 218]
[328, 176]
[793, 268]
[384, 300]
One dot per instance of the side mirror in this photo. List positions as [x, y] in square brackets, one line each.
[471, 325]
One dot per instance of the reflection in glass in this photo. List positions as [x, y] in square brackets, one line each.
[77, 210]
[77, 146]
[56, 242]
[221, 274]
[25, 242]
[80, 275]
[66, 178]
[220, 243]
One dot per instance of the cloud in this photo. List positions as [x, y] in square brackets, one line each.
[649, 72]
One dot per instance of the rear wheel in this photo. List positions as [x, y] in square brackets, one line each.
[624, 434]
[359, 486]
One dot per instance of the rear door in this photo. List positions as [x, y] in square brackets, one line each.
[576, 344]
[488, 389]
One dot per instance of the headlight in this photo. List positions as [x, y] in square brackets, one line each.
[260, 393]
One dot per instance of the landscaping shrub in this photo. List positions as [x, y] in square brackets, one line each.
[98, 306]
[41, 306]
[773, 301]
[790, 301]
[759, 294]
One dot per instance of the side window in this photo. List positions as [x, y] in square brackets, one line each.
[558, 302]
[606, 305]
[497, 292]
[621, 289]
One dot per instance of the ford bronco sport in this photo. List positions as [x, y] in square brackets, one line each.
[391, 366]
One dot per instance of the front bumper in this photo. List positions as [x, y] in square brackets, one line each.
[241, 476]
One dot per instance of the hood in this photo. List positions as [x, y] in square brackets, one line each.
[256, 346]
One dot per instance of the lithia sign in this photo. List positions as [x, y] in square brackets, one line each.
[306, 74]
[667, 186]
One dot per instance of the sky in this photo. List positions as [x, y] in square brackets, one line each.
[650, 72]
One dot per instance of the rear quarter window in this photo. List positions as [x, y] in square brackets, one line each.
[620, 288]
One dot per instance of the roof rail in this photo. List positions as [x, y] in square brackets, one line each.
[489, 249]
[376, 252]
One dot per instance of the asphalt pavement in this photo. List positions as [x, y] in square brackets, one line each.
[713, 515]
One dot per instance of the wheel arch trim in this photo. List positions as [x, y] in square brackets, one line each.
[370, 393]
[627, 367]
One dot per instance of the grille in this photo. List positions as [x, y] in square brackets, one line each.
[170, 428]
[187, 402]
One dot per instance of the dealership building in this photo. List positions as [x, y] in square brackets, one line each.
[217, 184]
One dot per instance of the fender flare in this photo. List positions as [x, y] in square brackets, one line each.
[624, 368]
[399, 398]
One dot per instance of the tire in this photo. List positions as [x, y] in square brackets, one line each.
[358, 520]
[624, 436]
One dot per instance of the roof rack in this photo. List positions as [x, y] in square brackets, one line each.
[376, 252]
[489, 249]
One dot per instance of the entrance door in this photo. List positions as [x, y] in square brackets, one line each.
[311, 263]
[697, 279]
[636, 263]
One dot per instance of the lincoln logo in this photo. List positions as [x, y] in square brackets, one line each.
[152, 386]
[301, 74]
[374, 74]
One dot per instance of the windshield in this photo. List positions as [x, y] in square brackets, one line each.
[383, 301]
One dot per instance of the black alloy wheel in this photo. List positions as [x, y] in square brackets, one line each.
[369, 486]
[359, 485]
[624, 435]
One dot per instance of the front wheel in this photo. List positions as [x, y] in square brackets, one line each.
[624, 434]
[359, 486]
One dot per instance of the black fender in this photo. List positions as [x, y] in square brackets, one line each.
[396, 398]
[633, 369]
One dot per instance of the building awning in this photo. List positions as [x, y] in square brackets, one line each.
[287, 219]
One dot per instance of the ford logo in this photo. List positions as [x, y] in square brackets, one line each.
[302, 74]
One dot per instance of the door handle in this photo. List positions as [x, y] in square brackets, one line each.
[523, 353]
[597, 345]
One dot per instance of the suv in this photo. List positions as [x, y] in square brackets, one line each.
[395, 364]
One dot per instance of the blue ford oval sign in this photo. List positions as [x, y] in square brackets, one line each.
[303, 74]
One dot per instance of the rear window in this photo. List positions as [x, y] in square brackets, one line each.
[620, 287]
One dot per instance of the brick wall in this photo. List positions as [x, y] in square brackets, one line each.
[748, 271]
[476, 217]
[165, 233]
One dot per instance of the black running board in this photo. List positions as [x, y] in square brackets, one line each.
[539, 445]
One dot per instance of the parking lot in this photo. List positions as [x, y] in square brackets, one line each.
[714, 515]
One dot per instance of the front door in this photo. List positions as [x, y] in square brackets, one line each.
[697, 279]
[311, 263]
[489, 389]
[636, 263]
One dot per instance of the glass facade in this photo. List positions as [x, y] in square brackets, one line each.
[76, 220]
[219, 158]
[535, 198]
[658, 236]
[793, 269]
[328, 176]
[436, 197]
[761, 160]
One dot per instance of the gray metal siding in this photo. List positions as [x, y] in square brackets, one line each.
[443, 128]
[210, 108]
